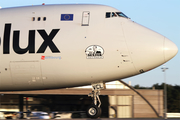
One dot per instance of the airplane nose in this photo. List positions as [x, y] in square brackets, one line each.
[170, 49]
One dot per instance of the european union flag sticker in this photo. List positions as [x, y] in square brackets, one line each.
[66, 17]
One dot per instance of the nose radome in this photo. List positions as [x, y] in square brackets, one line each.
[170, 49]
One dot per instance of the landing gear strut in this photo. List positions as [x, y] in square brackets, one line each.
[94, 110]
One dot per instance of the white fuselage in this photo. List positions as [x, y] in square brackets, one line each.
[55, 46]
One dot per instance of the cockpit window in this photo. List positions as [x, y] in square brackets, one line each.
[115, 14]
[120, 14]
[108, 14]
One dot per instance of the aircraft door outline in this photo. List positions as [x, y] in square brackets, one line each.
[85, 18]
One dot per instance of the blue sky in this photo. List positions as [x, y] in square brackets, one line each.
[162, 16]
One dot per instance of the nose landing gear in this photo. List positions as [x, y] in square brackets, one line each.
[94, 110]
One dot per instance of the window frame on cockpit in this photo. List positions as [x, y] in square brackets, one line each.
[121, 14]
[115, 14]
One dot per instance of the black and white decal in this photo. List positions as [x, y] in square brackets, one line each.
[94, 52]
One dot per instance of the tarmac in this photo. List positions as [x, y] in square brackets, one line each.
[117, 119]
[125, 119]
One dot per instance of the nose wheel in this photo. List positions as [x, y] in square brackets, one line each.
[94, 110]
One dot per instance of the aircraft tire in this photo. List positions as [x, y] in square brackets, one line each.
[93, 111]
[99, 113]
